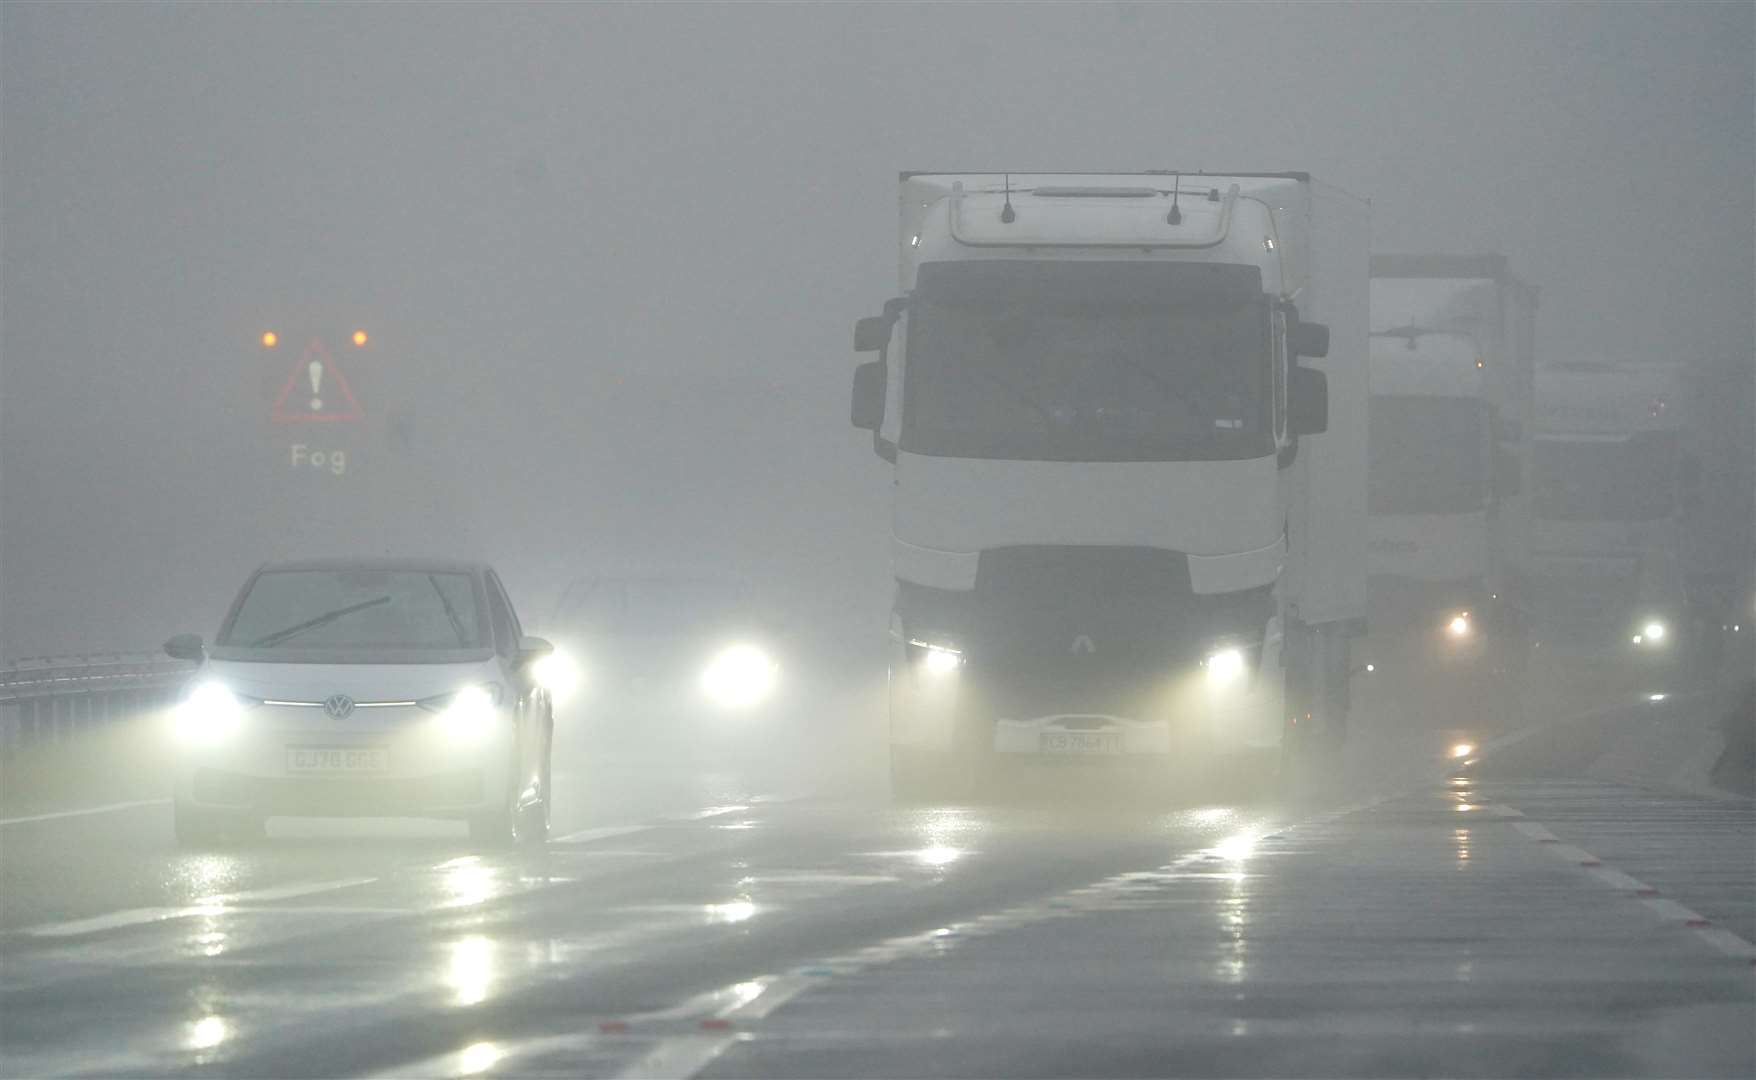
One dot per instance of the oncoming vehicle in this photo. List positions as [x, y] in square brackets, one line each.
[355, 688]
[656, 643]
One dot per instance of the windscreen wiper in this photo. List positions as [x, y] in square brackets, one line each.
[450, 612]
[311, 624]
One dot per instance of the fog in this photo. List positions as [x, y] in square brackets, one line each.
[608, 257]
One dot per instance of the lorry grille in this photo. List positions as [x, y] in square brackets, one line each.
[1081, 629]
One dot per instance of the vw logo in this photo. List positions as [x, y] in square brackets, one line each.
[338, 706]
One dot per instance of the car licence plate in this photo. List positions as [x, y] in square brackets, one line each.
[336, 759]
[1080, 742]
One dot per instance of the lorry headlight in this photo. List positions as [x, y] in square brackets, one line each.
[1460, 626]
[1654, 632]
[739, 677]
[467, 714]
[210, 714]
[1224, 666]
[937, 658]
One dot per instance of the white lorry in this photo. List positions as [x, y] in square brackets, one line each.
[1453, 370]
[1609, 474]
[1129, 521]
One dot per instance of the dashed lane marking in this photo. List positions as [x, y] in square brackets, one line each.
[607, 832]
[1718, 938]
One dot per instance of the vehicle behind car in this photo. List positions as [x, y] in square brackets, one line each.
[669, 645]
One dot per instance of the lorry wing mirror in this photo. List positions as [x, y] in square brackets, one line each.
[872, 334]
[871, 380]
[1309, 339]
[185, 647]
[1307, 401]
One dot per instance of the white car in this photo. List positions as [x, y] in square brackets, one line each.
[365, 688]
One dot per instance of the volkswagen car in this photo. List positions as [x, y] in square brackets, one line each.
[365, 688]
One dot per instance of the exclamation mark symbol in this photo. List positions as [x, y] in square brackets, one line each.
[315, 370]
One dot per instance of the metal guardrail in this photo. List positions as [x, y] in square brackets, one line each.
[51, 698]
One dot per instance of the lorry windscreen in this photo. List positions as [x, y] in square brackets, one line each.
[1632, 479]
[1429, 455]
[1088, 361]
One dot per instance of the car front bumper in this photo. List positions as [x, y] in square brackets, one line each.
[383, 763]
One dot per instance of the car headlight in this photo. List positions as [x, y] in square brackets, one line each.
[558, 674]
[739, 677]
[1460, 627]
[210, 714]
[467, 714]
[1225, 666]
[937, 658]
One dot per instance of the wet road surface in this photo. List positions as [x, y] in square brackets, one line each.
[780, 917]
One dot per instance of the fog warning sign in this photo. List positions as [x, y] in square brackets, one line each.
[316, 392]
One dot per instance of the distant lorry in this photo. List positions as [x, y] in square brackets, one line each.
[1129, 516]
[1611, 475]
[1453, 373]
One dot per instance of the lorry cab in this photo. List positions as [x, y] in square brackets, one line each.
[1105, 448]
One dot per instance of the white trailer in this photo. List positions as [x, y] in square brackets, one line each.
[1452, 396]
[1128, 520]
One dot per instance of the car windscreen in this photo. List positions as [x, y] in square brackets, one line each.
[401, 611]
[1088, 361]
[1428, 455]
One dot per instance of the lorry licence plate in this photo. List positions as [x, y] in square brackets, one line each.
[336, 759]
[1080, 742]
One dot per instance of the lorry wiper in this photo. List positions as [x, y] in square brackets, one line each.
[311, 624]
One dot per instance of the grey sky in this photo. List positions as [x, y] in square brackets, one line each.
[610, 254]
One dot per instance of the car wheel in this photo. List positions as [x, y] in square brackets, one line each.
[531, 821]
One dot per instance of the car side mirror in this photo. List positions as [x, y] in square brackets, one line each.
[1307, 401]
[186, 647]
[872, 334]
[871, 381]
[533, 648]
[1308, 339]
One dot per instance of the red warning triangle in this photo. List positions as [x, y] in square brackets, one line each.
[316, 392]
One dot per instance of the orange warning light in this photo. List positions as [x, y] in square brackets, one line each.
[270, 339]
[359, 337]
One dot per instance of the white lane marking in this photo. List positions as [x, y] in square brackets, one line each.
[587, 836]
[1617, 880]
[678, 1058]
[777, 992]
[1670, 910]
[85, 812]
[682, 1057]
[1702, 927]
[1727, 942]
[207, 905]
[606, 832]
[1536, 832]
